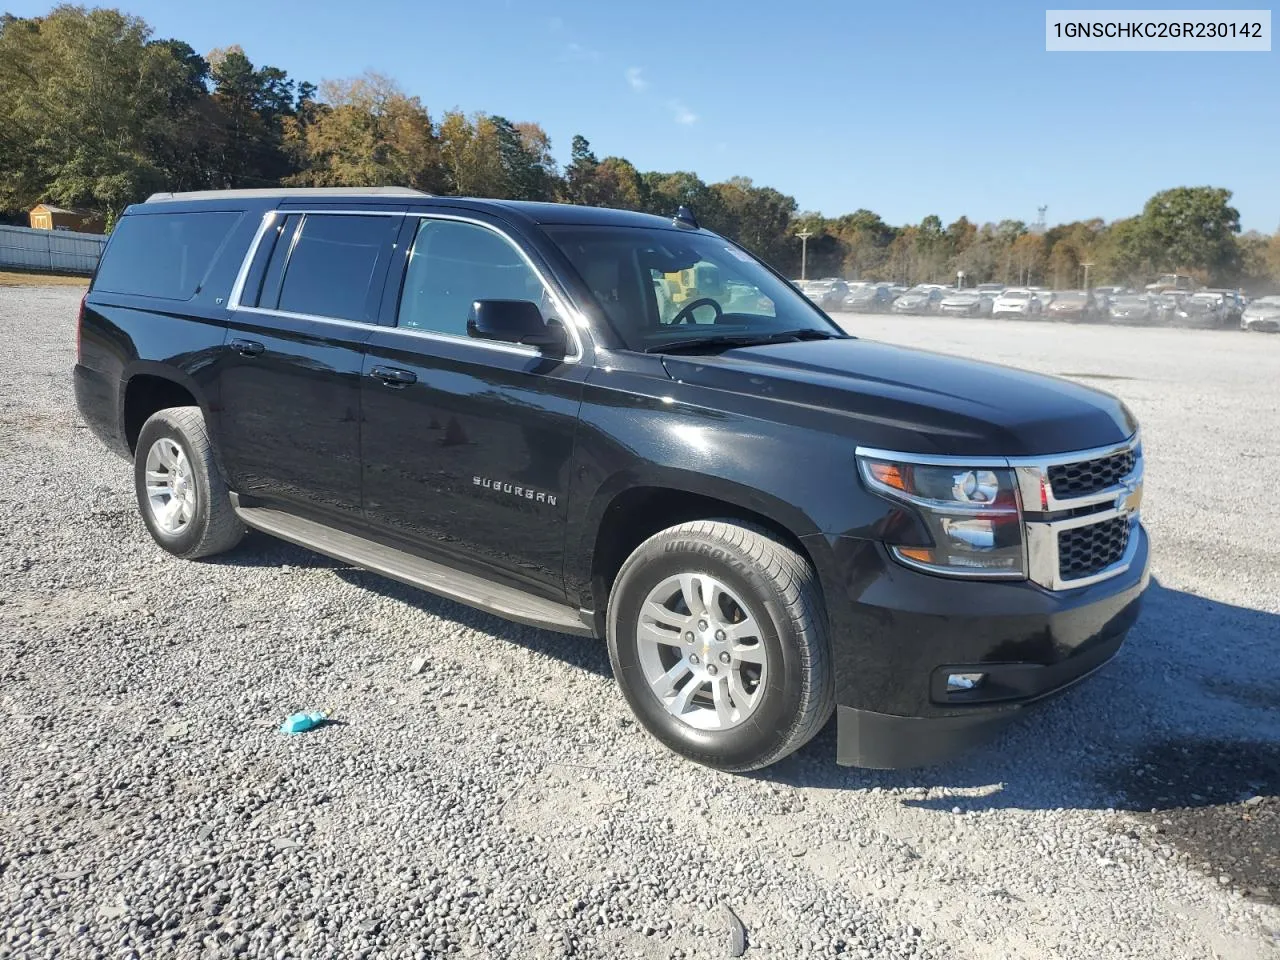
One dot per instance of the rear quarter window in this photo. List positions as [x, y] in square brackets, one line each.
[163, 255]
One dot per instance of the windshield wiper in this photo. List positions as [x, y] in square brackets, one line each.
[730, 340]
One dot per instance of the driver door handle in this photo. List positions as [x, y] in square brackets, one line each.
[394, 376]
[247, 348]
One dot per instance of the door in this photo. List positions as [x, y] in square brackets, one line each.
[467, 444]
[293, 356]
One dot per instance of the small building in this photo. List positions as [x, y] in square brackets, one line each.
[45, 216]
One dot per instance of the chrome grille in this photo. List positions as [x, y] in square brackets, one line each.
[1089, 476]
[1084, 551]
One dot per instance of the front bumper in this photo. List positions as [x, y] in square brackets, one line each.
[899, 633]
[1267, 325]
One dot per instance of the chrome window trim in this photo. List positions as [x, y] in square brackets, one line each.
[237, 289]
[572, 318]
[1041, 536]
[516, 348]
[268, 218]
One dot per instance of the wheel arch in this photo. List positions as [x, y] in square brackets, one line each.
[148, 386]
[628, 510]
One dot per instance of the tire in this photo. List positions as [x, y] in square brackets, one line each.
[776, 591]
[208, 523]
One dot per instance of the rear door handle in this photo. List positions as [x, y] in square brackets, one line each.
[247, 348]
[394, 376]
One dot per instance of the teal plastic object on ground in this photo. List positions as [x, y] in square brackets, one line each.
[302, 722]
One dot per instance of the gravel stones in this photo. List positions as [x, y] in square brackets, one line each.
[538, 821]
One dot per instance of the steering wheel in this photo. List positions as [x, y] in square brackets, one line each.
[686, 312]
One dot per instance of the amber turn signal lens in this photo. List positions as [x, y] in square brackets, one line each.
[919, 554]
[889, 474]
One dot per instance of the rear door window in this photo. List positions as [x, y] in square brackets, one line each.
[331, 264]
[164, 255]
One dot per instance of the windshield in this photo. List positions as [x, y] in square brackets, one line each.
[919, 291]
[659, 285]
[1016, 295]
[1071, 297]
[1131, 301]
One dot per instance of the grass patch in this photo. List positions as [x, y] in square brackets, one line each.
[18, 278]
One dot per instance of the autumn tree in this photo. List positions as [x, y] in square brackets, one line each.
[86, 117]
[1191, 228]
[367, 132]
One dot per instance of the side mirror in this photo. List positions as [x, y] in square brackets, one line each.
[514, 321]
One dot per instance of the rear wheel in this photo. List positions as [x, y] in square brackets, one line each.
[182, 497]
[718, 639]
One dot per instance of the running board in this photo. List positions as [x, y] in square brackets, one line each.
[444, 581]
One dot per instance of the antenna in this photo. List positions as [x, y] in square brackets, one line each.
[1038, 226]
[684, 218]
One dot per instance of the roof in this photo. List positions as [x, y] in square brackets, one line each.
[534, 212]
[50, 208]
[286, 192]
[546, 214]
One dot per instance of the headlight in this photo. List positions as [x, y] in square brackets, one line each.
[972, 516]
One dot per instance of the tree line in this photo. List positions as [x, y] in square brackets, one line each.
[95, 112]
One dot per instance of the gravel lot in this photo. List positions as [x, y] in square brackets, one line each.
[502, 804]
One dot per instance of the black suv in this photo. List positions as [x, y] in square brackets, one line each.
[626, 427]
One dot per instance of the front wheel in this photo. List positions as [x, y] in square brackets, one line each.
[182, 497]
[717, 636]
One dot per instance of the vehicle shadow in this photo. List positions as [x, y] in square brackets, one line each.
[1187, 714]
[260, 550]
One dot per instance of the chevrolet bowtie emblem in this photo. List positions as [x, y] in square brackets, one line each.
[1131, 499]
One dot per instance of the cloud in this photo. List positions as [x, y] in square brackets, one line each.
[682, 114]
[577, 52]
[635, 77]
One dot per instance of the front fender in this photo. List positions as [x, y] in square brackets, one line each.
[640, 430]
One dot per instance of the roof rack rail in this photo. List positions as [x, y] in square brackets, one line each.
[288, 192]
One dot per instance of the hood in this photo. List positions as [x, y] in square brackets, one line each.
[915, 401]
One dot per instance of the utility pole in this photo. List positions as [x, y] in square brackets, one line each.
[1086, 274]
[804, 236]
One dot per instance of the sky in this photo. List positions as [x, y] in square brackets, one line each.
[904, 108]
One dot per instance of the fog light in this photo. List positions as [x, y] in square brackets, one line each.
[958, 682]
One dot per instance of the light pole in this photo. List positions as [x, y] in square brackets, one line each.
[804, 236]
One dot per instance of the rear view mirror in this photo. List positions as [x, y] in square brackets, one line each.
[514, 321]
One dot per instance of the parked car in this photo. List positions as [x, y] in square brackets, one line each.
[1262, 315]
[922, 298]
[1132, 308]
[990, 289]
[765, 520]
[1073, 306]
[1016, 302]
[826, 294]
[1234, 304]
[869, 298]
[1166, 304]
[961, 303]
[1208, 310]
[1044, 296]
